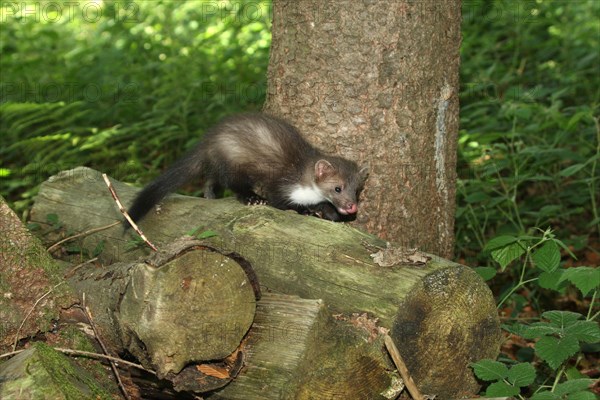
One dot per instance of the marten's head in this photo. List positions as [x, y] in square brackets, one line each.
[340, 181]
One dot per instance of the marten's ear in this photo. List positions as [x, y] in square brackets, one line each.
[363, 173]
[323, 168]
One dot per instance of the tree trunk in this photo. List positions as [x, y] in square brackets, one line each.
[377, 82]
[438, 305]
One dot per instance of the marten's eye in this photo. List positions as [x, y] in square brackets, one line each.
[338, 189]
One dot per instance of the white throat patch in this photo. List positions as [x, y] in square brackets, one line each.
[306, 195]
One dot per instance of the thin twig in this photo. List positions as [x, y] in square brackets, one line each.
[72, 271]
[30, 311]
[408, 380]
[10, 354]
[89, 232]
[87, 354]
[125, 214]
[356, 260]
[112, 363]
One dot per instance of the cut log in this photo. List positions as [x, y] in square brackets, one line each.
[442, 315]
[295, 350]
[184, 305]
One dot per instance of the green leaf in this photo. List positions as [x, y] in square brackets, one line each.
[98, 249]
[565, 248]
[516, 329]
[545, 396]
[587, 395]
[547, 257]
[52, 219]
[540, 329]
[490, 370]
[571, 170]
[33, 226]
[207, 234]
[477, 197]
[552, 280]
[584, 331]
[505, 255]
[486, 273]
[521, 374]
[501, 389]
[585, 279]
[201, 235]
[551, 210]
[499, 241]
[575, 385]
[561, 318]
[555, 351]
[573, 373]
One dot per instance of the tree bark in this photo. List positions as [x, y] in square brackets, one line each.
[439, 305]
[30, 280]
[378, 83]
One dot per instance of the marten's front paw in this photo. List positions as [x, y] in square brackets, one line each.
[256, 200]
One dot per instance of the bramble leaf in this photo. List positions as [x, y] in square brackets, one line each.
[521, 374]
[585, 279]
[490, 370]
[486, 273]
[585, 331]
[507, 254]
[552, 280]
[539, 329]
[561, 318]
[499, 241]
[572, 386]
[547, 257]
[516, 329]
[545, 396]
[587, 395]
[555, 351]
[501, 389]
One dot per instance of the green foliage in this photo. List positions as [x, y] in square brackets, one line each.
[559, 335]
[529, 155]
[583, 278]
[576, 389]
[506, 382]
[486, 273]
[530, 139]
[125, 87]
[541, 262]
[560, 338]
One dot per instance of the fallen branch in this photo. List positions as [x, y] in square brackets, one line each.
[406, 377]
[125, 214]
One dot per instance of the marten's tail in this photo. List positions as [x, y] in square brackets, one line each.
[184, 170]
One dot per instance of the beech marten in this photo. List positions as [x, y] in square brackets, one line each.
[265, 158]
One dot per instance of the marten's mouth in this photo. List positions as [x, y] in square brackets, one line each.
[351, 209]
